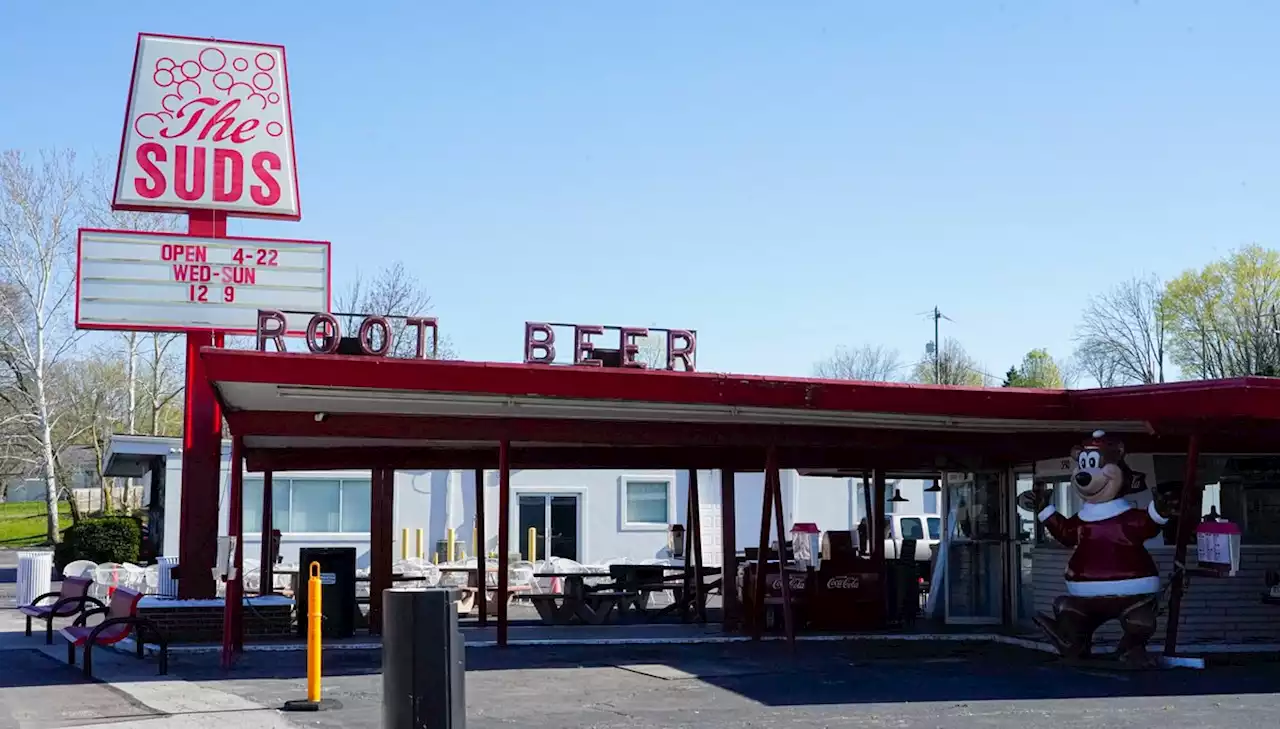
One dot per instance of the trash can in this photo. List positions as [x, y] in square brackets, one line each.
[35, 573]
[423, 659]
[168, 585]
[337, 589]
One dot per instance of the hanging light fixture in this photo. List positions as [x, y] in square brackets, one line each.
[1213, 515]
[934, 487]
[897, 497]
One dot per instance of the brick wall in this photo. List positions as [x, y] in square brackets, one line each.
[203, 624]
[1225, 610]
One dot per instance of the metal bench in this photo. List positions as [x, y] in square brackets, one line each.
[73, 599]
[120, 620]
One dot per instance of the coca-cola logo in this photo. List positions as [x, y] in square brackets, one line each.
[795, 583]
[848, 582]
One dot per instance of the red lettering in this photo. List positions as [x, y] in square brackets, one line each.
[192, 273]
[197, 254]
[192, 120]
[228, 184]
[188, 184]
[268, 193]
[628, 347]
[422, 324]
[153, 185]
[325, 342]
[583, 347]
[539, 350]
[366, 336]
[271, 326]
[239, 275]
[166, 252]
[686, 352]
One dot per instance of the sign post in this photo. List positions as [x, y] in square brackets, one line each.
[208, 131]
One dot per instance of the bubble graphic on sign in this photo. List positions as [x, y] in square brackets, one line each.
[273, 97]
[213, 59]
[165, 64]
[163, 78]
[275, 128]
[190, 69]
[265, 61]
[240, 64]
[222, 81]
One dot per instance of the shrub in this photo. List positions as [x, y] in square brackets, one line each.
[103, 539]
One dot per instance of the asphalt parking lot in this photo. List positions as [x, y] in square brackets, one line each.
[766, 686]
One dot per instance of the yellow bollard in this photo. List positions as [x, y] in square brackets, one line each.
[420, 552]
[435, 558]
[314, 616]
[533, 544]
[474, 547]
[449, 534]
[404, 543]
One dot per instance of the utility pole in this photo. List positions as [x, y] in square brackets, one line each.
[937, 353]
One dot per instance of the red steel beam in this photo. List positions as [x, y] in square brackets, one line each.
[504, 536]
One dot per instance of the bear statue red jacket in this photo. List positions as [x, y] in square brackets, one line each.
[1110, 556]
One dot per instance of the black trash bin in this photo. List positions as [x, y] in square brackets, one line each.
[423, 660]
[337, 591]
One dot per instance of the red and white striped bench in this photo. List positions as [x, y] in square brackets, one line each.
[120, 619]
[73, 599]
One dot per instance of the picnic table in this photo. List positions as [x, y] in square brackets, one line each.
[630, 587]
[467, 600]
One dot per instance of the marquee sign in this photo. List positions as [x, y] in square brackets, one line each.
[208, 127]
[170, 282]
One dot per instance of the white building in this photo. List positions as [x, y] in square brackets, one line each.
[588, 516]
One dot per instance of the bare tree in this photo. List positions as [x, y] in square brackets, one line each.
[96, 406]
[162, 386]
[38, 205]
[865, 363]
[949, 365]
[1121, 338]
[392, 292]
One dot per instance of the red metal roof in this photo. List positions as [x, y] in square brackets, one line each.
[553, 413]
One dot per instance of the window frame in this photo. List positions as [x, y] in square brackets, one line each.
[624, 522]
[289, 482]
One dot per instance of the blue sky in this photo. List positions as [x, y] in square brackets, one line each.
[783, 177]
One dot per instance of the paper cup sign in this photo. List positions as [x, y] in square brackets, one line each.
[1218, 547]
[208, 127]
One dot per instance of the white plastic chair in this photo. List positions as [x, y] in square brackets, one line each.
[80, 568]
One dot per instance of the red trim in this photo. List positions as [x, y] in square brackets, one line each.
[128, 114]
[596, 383]
[1234, 400]
[328, 273]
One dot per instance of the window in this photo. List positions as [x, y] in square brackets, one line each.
[646, 503]
[912, 529]
[930, 501]
[935, 527]
[311, 505]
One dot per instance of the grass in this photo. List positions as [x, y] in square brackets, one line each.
[22, 524]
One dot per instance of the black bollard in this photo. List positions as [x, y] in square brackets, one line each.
[423, 660]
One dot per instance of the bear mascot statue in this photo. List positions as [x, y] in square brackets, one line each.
[1110, 575]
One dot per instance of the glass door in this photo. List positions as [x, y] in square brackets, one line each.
[1024, 540]
[975, 577]
[547, 524]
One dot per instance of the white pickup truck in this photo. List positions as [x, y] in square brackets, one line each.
[925, 529]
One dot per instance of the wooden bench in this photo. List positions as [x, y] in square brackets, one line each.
[120, 618]
[73, 599]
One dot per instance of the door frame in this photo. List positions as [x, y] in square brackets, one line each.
[1003, 503]
[1013, 556]
[547, 492]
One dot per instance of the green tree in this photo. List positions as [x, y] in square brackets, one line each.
[1038, 369]
[949, 365]
[1223, 317]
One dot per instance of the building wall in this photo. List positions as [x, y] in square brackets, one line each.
[1214, 610]
[435, 501]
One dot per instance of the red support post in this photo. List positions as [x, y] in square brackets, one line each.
[1186, 530]
[762, 558]
[266, 568]
[788, 617]
[482, 560]
[504, 535]
[201, 452]
[728, 539]
[695, 527]
[233, 612]
[381, 559]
